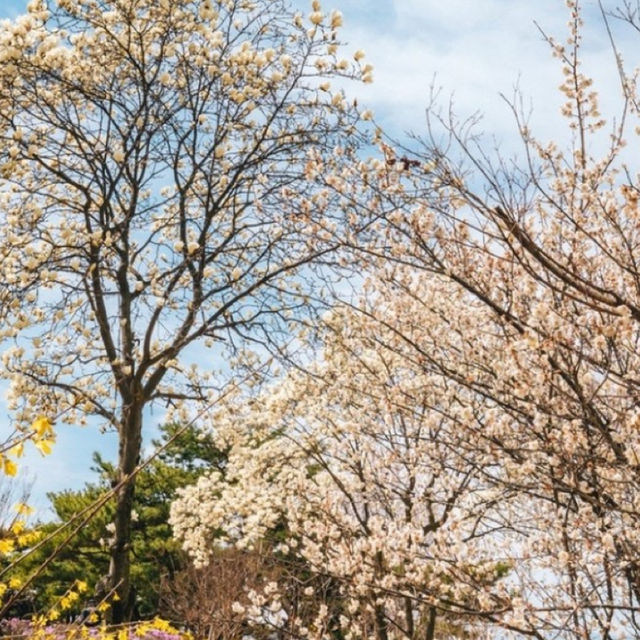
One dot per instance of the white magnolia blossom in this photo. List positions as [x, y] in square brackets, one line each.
[153, 158]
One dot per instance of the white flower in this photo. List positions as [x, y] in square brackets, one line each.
[236, 607]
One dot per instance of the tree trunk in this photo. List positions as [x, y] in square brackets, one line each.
[380, 623]
[431, 624]
[120, 563]
[408, 617]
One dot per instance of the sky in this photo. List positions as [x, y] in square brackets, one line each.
[475, 52]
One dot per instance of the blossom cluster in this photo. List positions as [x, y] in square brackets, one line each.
[362, 461]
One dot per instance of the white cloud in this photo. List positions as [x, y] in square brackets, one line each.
[475, 50]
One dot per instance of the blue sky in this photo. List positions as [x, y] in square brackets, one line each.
[473, 49]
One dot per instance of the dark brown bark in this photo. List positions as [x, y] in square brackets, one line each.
[120, 563]
[430, 633]
[380, 623]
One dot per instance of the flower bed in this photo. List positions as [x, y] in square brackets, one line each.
[156, 629]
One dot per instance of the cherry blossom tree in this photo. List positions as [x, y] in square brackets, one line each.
[163, 168]
[539, 319]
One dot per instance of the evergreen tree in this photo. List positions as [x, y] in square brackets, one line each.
[154, 553]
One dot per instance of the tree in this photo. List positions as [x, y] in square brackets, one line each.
[206, 599]
[163, 188]
[522, 278]
[382, 504]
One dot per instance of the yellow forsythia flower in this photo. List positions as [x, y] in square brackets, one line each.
[17, 450]
[161, 625]
[17, 527]
[9, 467]
[6, 546]
[29, 538]
[44, 446]
[24, 509]
[42, 426]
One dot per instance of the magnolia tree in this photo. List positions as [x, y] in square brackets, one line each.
[160, 189]
[385, 512]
